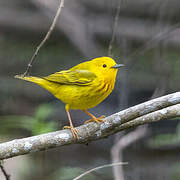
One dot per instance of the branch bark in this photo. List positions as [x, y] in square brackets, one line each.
[154, 110]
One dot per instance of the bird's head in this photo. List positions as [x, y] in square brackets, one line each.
[104, 66]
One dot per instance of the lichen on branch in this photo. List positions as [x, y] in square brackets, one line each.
[154, 110]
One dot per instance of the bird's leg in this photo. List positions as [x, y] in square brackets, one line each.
[71, 127]
[93, 118]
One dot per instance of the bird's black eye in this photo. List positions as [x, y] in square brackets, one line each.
[104, 65]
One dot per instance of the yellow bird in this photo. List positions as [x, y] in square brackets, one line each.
[81, 87]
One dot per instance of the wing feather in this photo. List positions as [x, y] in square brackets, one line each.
[75, 77]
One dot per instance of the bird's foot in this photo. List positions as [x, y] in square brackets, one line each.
[94, 119]
[73, 130]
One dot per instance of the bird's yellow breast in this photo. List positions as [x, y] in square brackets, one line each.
[84, 97]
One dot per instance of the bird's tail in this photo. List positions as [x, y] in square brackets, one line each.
[50, 86]
[33, 79]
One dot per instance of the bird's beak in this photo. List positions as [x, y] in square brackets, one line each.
[118, 66]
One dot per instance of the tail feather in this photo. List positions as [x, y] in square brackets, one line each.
[33, 79]
[50, 86]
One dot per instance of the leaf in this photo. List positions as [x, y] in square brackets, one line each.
[43, 111]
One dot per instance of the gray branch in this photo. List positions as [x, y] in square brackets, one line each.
[154, 110]
[117, 150]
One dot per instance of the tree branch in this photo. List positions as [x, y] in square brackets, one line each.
[154, 110]
[117, 150]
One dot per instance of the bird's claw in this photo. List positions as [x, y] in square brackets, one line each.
[97, 120]
[73, 130]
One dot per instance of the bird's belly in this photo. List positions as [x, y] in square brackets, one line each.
[83, 97]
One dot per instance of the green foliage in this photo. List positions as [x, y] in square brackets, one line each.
[37, 124]
[67, 173]
[40, 125]
[175, 173]
[166, 139]
[13, 122]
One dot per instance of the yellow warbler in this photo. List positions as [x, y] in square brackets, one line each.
[81, 87]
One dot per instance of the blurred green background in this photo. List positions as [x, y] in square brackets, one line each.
[147, 41]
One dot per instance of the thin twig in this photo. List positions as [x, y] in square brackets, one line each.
[100, 167]
[45, 38]
[160, 66]
[6, 175]
[114, 29]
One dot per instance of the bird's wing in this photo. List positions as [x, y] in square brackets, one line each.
[76, 77]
